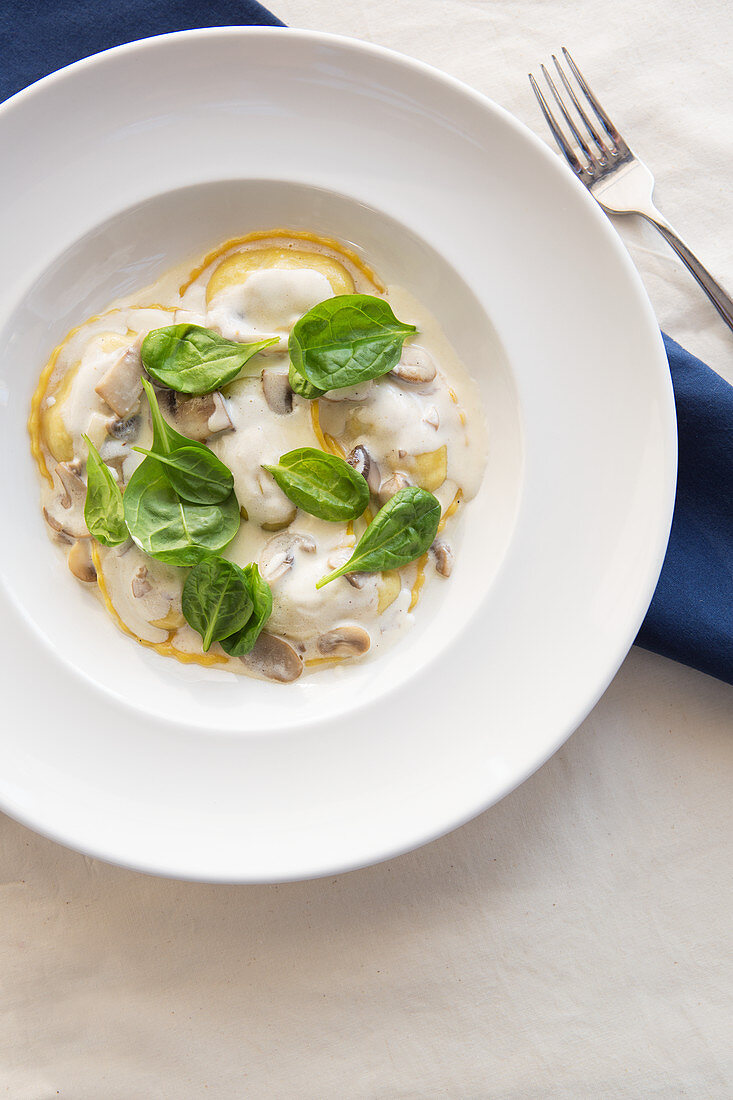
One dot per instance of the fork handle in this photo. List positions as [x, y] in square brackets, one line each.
[720, 299]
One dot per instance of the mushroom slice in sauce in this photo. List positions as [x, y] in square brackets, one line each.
[121, 385]
[220, 420]
[344, 641]
[80, 561]
[416, 365]
[274, 658]
[197, 417]
[125, 430]
[65, 510]
[365, 465]
[278, 391]
[338, 558]
[444, 557]
[278, 553]
[392, 485]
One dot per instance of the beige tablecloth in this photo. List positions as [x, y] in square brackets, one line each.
[574, 941]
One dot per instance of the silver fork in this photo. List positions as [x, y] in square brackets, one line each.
[613, 174]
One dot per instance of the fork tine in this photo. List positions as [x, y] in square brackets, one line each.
[563, 144]
[619, 143]
[567, 116]
[595, 136]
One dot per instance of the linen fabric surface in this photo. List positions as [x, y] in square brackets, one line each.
[572, 941]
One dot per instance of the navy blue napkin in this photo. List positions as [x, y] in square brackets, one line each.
[39, 36]
[691, 616]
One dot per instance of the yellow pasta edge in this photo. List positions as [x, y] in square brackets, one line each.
[166, 648]
[279, 234]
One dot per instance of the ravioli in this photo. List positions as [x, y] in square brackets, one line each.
[409, 427]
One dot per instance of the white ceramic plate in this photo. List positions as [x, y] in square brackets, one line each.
[130, 161]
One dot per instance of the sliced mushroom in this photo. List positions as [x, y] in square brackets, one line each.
[80, 561]
[220, 420]
[278, 391]
[278, 553]
[125, 430]
[65, 510]
[444, 557]
[365, 465]
[98, 428]
[116, 463]
[140, 583]
[196, 417]
[121, 385]
[415, 365]
[432, 418]
[392, 485]
[338, 558]
[275, 659]
[344, 641]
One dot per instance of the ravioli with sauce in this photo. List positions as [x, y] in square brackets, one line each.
[420, 425]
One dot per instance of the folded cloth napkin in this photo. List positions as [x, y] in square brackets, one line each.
[691, 615]
[37, 36]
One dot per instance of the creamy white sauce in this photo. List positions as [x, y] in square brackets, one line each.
[420, 431]
[269, 303]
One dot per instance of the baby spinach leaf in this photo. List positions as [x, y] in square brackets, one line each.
[299, 384]
[169, 528]
[160, 520]
[195, 473]
[400, 532]
[347, 339]
[321, 484]
[193, 359]
[215, 600]
[260, 593]
[103, 511]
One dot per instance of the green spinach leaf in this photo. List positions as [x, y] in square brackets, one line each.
[193, 359]
[299, 384]
[195, 473]
[161, 522]
[321, 484]
[260, 593]
[345, 340]
[400, 532]
[103, 511]
[171, 529]
[165, 438]
[215, 599]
